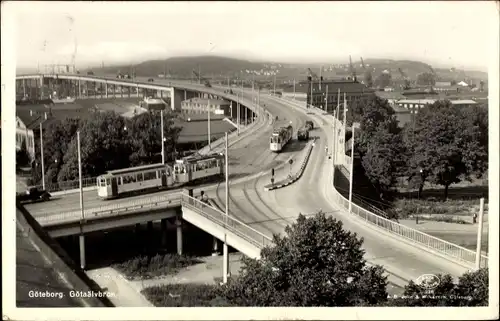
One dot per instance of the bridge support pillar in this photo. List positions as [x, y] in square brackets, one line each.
[215, 247]
[106, 88]
[82, 251]
[178, 224]
[185, 94]
[164, 232]
[114, 91]
[225, 263]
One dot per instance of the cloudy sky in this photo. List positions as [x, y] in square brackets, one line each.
[441, 33]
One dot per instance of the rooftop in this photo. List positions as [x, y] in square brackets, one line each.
[197, 131]
[345, 86]
[206, 100]
[389, 95]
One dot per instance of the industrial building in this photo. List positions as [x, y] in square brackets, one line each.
[416, 104]
[202, 105]
[318, 91]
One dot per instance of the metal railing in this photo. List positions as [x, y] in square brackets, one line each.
[228, 222]
[446, 248]
[68, 185]
[119, 209]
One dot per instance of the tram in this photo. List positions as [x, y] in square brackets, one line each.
[185, 171]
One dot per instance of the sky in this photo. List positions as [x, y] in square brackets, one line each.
[451, 34]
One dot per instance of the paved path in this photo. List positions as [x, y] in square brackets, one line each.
[126, 295]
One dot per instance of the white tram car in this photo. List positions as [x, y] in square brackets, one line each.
[280, 137]
[187, 170]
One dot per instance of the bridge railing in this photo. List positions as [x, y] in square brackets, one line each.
[68, 185]
[443, 247]
[230, 223]
[448, 249]
[118, 209]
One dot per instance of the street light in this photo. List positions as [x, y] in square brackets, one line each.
[81, 236]
[162, 140]
[354, 126]
[41, 156]
[225, 264]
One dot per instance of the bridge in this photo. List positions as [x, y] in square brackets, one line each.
[404, 252]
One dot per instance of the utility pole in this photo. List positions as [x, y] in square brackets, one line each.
[81, 236]
[479, 234]
[326, 99]
[274, 90]
[209, 136]
[225, 265]
[334, 140]
[320, 70]
[238, 113]
[41, 156]
[293, 88]
[351, 174]
[162, 140]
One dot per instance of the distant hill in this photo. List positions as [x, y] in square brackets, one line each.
[221, 67]
[209, 66]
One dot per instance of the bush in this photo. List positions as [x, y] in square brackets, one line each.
[186, 295]
[146, 267]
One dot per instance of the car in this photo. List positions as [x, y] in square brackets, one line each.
[151, 80]
[33, 194]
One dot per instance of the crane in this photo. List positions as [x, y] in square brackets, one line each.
[352, 70]
[368, 74]
[207, 83]
[405, 78]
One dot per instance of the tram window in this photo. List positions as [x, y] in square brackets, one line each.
[119, 180]
[108, 181]
[149, 175]
[102, 182]
[139, 177]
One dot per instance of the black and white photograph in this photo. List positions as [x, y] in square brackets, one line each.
[327, 159]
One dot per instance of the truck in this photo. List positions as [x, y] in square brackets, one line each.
[303, 134]
[309, 125]
[33, 194]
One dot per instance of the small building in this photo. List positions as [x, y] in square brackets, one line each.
[152, 104]
[202, 105]
[23, 133]
[391, 97]
[415, 104]
[442, 84]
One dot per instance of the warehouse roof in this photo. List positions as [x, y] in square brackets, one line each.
[196, 131]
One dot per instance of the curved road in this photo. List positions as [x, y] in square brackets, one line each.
[269, 212]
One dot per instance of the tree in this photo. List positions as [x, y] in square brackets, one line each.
[317, 263]
[447, 146]
[383, 80]
[368, 79]
[426, 79]
[104, 146]
[384, 160]
[470, 290]
[22, 155]
[145, 137]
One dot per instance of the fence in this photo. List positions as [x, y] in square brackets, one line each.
[443, 247]
[232, 224]
[155, 202]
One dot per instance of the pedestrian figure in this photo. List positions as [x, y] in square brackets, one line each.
[474, 218]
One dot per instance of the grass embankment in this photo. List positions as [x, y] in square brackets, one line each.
[452, 211]
[185, 295]
[147, 267]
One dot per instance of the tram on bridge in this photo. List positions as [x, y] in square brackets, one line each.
[280, 136]
[185, 171]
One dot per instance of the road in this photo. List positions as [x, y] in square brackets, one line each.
[242, 162]
[269, 212]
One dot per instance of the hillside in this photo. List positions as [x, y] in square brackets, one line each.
[222, 67]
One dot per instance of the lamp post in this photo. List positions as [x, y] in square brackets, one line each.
[41, 156]
[225, 265]
[351, 174]
[209, 136]
[81, 236]
[162, 140]
[479, 234]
